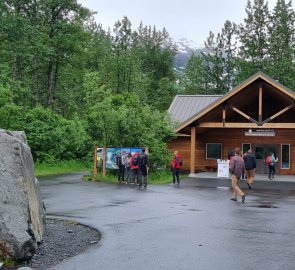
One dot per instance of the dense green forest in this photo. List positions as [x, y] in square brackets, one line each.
[69, 84]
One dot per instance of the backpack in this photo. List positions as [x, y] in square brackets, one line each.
[142, 159]
[135, 160]
[268, 160]
[118, 160]
[178, 161]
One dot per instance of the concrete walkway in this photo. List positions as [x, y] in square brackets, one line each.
[258, 177]
[191, 226]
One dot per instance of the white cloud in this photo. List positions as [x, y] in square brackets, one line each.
[190, 19]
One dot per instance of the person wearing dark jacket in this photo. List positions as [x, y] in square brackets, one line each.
[121, 167]
[250, 166]
[143, 168]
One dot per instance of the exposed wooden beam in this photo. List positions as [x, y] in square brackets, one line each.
[223, 114]
[279, 113]
[243, 114]
[260, 103]
[193, 150]
[279, 125]
[226, 125]
[245, 125]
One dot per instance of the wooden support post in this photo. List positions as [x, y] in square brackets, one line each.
[223, 115]
[104, 161]
[193, 151]
[260, 104]
[95, 163]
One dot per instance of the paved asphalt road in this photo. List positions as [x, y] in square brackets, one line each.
[194, 226]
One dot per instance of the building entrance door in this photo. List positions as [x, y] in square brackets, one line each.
[261, 151]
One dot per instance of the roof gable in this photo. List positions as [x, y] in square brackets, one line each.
[259, 76]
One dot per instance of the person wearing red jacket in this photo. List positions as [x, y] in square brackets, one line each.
[134, 167]
[176, 163]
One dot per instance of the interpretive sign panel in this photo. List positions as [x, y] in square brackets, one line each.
[223, 168]
[111, 153]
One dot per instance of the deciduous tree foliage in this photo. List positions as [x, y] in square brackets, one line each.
[69, 84]
[122, 120]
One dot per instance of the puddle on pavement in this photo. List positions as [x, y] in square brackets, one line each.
[117, 203]
[264, 206]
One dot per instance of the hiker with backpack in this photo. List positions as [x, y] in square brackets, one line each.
[176, 163]
[128, 168]
[120, 162]
[134, 167]
[270, 161]
[143, 168]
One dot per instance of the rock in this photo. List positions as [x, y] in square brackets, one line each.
[93, 242]
[22, 214]
[24, 268]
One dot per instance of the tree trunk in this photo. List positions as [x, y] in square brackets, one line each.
[50, 83]
[36, 81]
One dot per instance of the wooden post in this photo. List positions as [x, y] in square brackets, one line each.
[104, 161]
[95, 163]
[193, 151]
[223, 115]
[260, 104]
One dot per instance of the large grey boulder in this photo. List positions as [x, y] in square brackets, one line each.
[22, 215]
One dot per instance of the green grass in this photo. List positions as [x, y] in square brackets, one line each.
[68, 166]
[159, 177]
[43, 169]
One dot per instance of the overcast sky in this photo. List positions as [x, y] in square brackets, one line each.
[190, 19]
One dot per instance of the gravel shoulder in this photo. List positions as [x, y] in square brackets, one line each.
[62, 240]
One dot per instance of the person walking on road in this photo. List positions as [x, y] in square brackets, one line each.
[250, 166]
[271, 160]
[143, 168]
[176, 163]
[236, 168]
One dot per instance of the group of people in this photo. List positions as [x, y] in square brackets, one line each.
[240, 165]
[237, 167]
[133, 168]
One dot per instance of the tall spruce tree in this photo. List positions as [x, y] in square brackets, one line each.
[123, 61]
[214, 71]
[156, 52]
[281, 43]
[253, 38]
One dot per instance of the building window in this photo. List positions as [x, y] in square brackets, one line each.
[213, 151]
[285, 156]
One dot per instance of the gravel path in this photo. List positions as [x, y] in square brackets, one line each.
[62, 240]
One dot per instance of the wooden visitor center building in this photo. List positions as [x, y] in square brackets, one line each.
[258, 114]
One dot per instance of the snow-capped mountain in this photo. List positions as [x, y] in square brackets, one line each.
[185, 49]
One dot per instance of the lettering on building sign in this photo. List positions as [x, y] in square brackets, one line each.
[260, 132]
